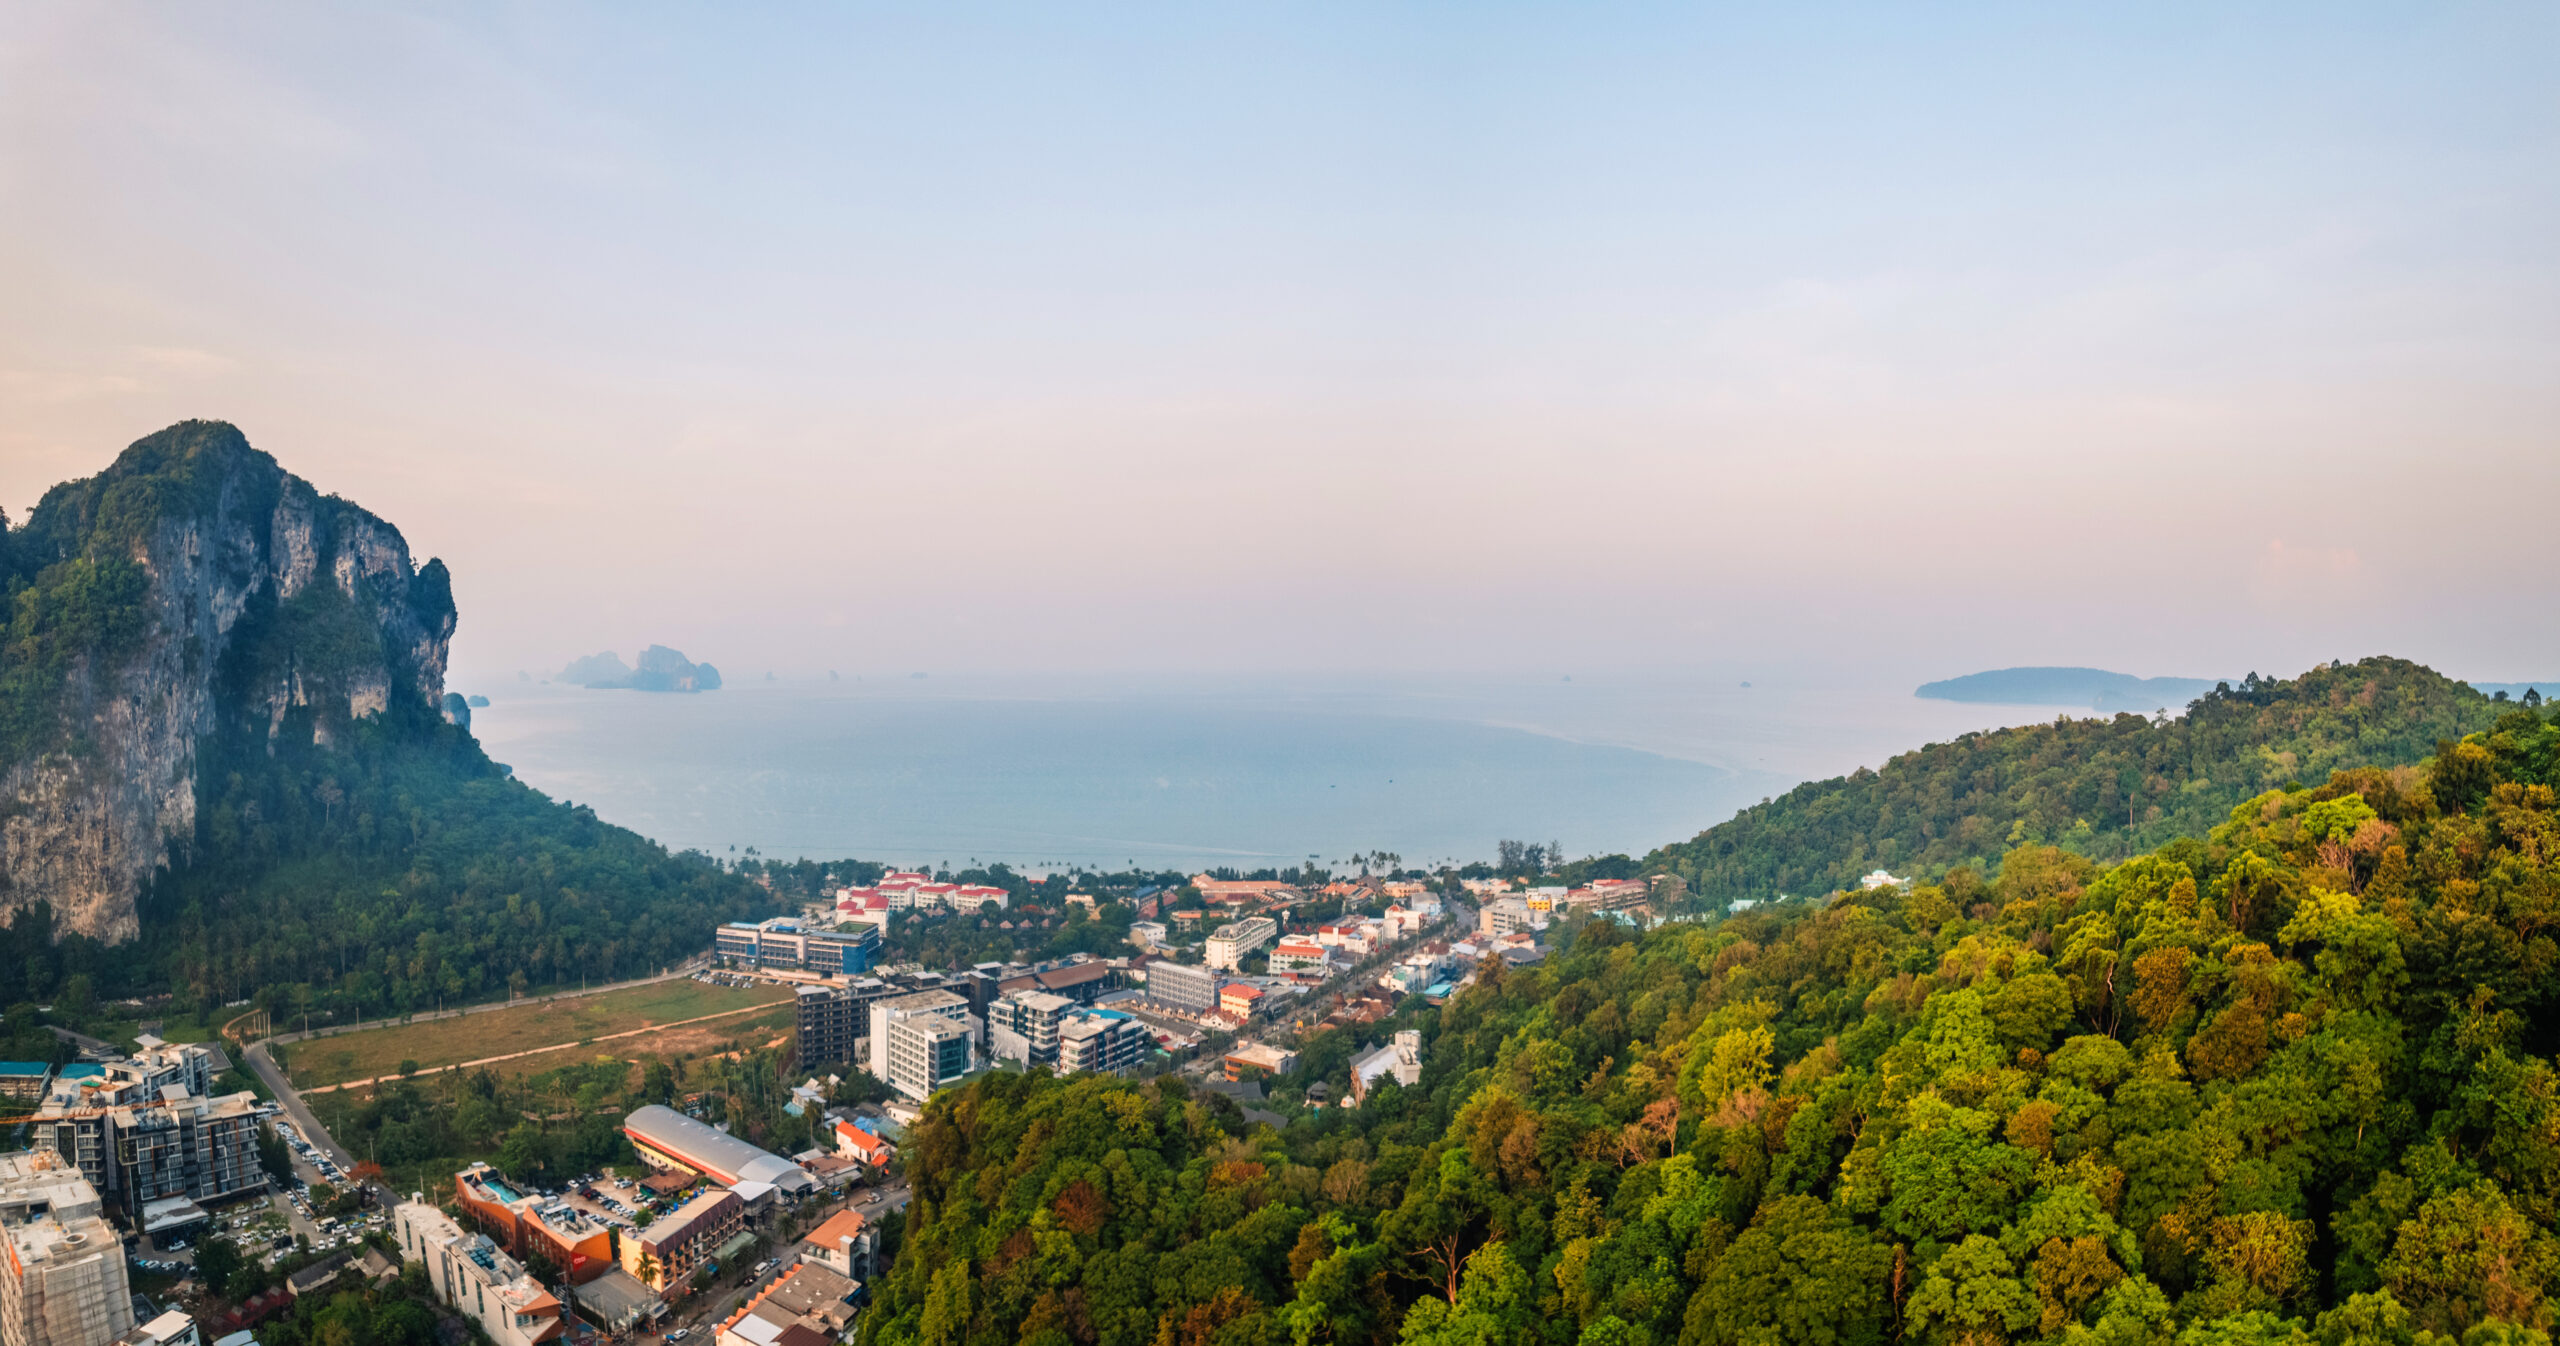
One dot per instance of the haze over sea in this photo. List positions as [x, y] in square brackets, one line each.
[1109, 772]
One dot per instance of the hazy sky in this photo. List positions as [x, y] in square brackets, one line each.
[2178, 339]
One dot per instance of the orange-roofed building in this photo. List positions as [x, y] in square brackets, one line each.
[846, 1244]
[855, 1143]
[1237, 999]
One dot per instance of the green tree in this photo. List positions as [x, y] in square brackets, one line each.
[1800, 1273]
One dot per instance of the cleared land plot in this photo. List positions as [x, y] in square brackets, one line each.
[697, 1040]
[470, 1037]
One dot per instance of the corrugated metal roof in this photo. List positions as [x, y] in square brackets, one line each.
[717, 1153]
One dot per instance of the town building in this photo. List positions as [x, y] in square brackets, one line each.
[846, 1244]
[679, 1243]
[832, 1024]
[808, 1305]
[1399, 1060]
[1249, 1059]
[530, 1225]
[864, 1146]
[1022, 1026]
[616, 1302]
[781, 944]
[923, 1041]
[1509, 915]
[1291, 955]
[1181, 986]
[1610, 895]
[1238, 999]
[1102, 1040]
[24, 1081]
[1082, 983]
[139, 1141]
[173, 1328]
[63, 1280]
[1229, 943]
[1148, 934]
[667, 1139]
[1420, 970]
[1228, 892]
[474, 1277]
[862, 906]
[1359, 938]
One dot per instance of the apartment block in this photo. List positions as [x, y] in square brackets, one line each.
[1293, 955]
[1229, 943]
[678, 1243]
[923, 1041]
[1181, 986]
[1023, 1026]
[474, 1277]
[63, 1280]
[529, 1225]
[156, 1146]
[833, 1023]
[1509, 915]
[1102, 1040]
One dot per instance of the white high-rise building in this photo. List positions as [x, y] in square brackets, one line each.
[1231, 942]
[923, 1041]
[62, 1282]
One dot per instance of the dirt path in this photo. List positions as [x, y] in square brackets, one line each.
[555, 1047]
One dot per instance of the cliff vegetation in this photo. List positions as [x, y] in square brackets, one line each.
[2289, 1081]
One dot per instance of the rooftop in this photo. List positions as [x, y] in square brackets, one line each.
[712, 1151]
[844, 1224]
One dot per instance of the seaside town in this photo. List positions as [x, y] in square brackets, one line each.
[178, 1194]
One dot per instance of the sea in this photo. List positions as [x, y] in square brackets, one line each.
[1059, 773]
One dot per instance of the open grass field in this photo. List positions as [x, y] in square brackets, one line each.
[444, 1042]
[763, 1029]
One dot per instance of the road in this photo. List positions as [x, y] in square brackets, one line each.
[290, 1100]
[875, 1203]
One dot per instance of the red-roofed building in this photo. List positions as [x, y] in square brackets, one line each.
[1237, 999]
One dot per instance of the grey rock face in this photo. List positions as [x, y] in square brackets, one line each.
[264, 597]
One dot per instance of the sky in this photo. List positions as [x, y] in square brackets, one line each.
[2177, 339]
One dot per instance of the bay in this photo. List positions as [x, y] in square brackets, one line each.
[1181, 773]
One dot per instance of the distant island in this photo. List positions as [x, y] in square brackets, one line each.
[661, 670]
[2095, 688]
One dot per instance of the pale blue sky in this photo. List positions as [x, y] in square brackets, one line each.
[2170, 338]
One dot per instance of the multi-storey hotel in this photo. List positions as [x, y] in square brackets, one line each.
[474, 1277]
[781, 944]
[529, 1224]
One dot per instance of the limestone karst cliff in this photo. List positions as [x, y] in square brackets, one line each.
[193, 589]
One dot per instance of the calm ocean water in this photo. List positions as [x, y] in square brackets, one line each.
[1092, 772]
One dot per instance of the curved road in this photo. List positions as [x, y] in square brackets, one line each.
[290, 1099]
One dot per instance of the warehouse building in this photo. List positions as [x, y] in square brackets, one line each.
[667, 1139]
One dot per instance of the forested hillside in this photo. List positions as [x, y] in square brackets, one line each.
[224, 774]
[2288, 1082]
[2101, 788]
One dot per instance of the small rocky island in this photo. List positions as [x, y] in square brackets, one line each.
[660, 670]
